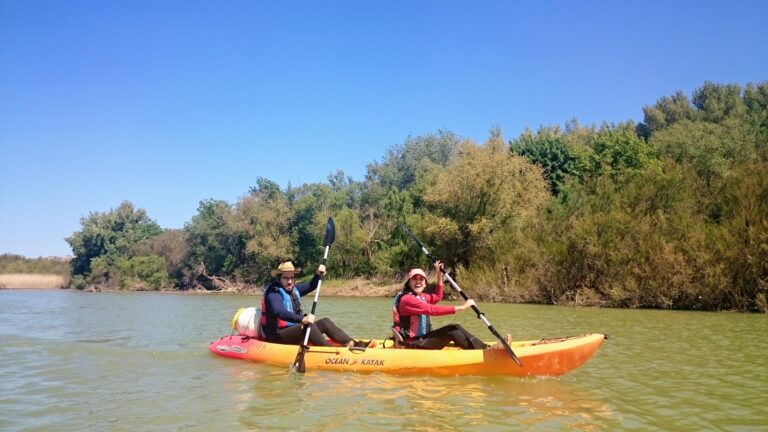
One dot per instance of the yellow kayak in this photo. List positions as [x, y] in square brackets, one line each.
[554, 356]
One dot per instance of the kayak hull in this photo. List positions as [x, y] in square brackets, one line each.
[547, 357]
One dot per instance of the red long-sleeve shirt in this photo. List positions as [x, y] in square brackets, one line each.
[425, 304]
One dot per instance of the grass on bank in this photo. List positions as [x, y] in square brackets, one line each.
[28, 281]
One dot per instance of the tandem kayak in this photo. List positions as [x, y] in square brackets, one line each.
[550, 357]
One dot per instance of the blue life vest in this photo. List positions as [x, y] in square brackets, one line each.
[288, 300]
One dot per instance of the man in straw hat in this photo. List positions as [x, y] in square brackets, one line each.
[282, 319]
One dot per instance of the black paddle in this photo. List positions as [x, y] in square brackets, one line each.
[330, 236]
[463, 294]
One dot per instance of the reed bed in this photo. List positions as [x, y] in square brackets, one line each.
[28, 280]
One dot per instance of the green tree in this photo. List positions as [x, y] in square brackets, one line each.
[709, 148]
[719, 103]
[618, 151]
[480, 201]
[549, 149]
[742, 241]
[348, 252]
[393, 190]
[213, 240]
[403, 162]
[666, 112]
[108, 237]
[634, 243]
[146, 272]
[262, 220]
[172, 247]
[756, 101]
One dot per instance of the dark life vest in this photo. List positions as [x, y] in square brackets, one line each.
[290, 302]
[403, 324]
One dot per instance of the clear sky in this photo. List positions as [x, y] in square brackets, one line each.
[167, 103]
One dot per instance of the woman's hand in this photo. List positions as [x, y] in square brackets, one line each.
[438, 266]
[467, 304]
[320, 270]
[308, 319]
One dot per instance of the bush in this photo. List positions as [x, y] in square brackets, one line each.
[143, 272]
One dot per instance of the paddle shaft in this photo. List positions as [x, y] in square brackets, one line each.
[330, 236]
[456, 286]
[317, 295]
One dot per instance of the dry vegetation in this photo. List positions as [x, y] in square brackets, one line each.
[27, 280]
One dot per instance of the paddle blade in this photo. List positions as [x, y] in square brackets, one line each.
[504, 343]
[330, 232]
[511, 353]
[298, 363]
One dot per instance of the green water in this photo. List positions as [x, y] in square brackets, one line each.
[73, 361]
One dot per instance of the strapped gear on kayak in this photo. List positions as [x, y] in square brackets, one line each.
[247, 322]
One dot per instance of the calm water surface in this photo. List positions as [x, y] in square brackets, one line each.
[139, 361]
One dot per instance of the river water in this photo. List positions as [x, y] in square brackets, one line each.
[72, 361]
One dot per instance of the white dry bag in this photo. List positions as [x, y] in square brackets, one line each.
[247, 322]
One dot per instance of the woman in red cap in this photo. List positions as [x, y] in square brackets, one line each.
[412, 308]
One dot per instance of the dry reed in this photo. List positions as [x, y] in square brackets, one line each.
[27, 280]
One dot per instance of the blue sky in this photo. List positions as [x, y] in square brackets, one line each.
[165, 104]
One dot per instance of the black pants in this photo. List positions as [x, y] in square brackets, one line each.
[294, 335]
[438, 339]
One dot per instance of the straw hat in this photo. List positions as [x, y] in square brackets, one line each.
[285, 267]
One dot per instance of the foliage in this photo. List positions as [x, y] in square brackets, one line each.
[213, 242]
[667, 213]
[10, 263]
[619, 152]
[480, 201]
[143, 272]
[666, 112]
[404, 161]
[107, 237]
[742, 248]
[549, 149]
[172, 246]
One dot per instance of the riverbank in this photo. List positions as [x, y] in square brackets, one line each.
[357, 287]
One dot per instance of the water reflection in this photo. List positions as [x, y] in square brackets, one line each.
[272, 397]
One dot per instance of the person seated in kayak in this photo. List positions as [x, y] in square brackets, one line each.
[412, 307]
[282, 320]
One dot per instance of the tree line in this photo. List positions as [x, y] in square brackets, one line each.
[671, 212]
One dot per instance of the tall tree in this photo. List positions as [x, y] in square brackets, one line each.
[109, 236]
[403, 162]
[718, 103]
[263, 219]
[213, 239]
[549, 149]
[481, 200]
[619, 151]
[666, 112]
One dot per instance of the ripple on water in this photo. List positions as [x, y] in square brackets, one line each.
[139, 361]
